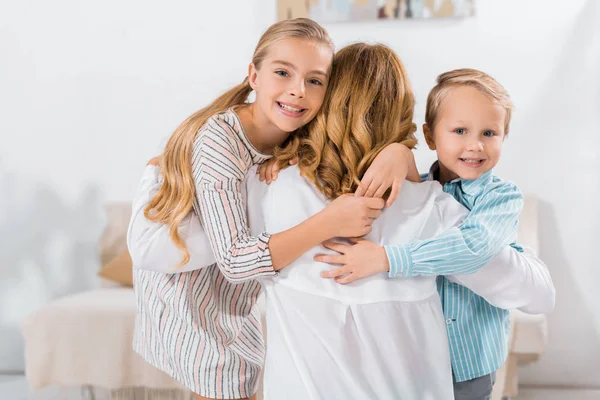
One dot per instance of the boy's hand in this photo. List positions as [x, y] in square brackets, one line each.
[269, 170]
[364, 258]
[392, 166]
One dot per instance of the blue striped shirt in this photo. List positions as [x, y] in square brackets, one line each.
[477, 331]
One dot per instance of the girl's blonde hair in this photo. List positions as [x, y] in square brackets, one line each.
[369, 105]
[466, 77]
[175, 198]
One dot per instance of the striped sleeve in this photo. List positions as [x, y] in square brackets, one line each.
[219, 166]
[490, 226]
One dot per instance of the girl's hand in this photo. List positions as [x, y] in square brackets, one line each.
[155, 161]
[351, 216]
[269, 170]
[364, 258]
[392, 166]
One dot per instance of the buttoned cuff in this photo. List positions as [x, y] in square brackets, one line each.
[400, 260]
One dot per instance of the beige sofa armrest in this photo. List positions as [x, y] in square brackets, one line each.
[528, 224]
[86, 339]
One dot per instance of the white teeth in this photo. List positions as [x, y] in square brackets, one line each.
[471, 161]
[288, 108]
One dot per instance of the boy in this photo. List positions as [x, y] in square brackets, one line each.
[467, 119]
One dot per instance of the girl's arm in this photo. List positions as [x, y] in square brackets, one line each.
[219, 169]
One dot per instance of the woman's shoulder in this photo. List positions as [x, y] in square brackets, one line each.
[421, 198]
[418, 193]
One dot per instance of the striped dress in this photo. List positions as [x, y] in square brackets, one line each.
[203, 327]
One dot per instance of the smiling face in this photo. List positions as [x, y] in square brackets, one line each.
[468, 134]
[291, 81]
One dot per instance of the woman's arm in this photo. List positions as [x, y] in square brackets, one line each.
[150, 244]
[513, 280]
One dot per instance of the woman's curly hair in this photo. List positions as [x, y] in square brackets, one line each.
[369, 105]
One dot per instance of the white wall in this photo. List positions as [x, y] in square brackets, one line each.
[90, 90]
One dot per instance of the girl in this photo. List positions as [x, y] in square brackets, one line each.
[199, 326]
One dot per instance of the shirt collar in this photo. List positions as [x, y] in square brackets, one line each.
[433, 170]
[472, 188]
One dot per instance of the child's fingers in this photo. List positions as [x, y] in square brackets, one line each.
[357, 240]
[274, 171]
[261, 172]
[347, 279]
[373, 188]
[269, 174]
[328, 259]
[382, 189]
[154, 161]
[393, 194]
[374, 214]
[367, 229]
[375, 203]
[334, 273]
[363, 186]
[331, 245]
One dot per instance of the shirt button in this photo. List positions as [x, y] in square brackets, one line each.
[448, 321]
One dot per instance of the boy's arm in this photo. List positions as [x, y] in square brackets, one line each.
[490, 226]
[388, 171]
[513, 280]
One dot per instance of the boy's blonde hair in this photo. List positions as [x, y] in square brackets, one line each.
[466, 77]
[369, 104]
[174, 199]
